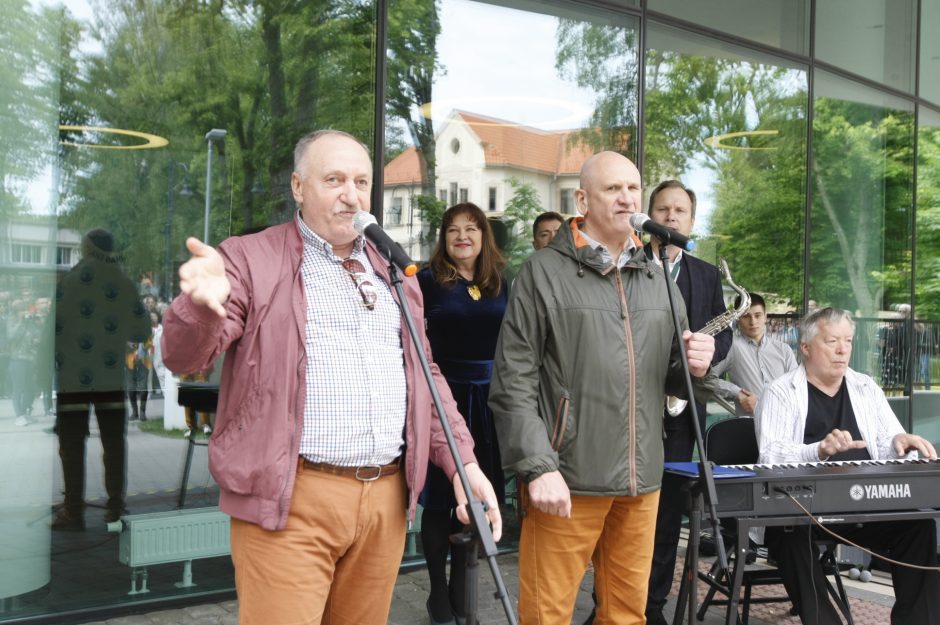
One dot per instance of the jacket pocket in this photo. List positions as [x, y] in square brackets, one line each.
[560, 427]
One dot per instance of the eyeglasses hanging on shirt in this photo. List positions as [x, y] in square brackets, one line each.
[357, 273]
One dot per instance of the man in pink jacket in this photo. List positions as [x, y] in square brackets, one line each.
[325, 423]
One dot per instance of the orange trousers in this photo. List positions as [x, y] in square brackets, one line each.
[616, 532]
[335, 563]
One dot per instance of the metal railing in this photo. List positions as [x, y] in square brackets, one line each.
[897, 353]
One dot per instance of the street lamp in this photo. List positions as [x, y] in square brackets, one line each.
[215, 134]
[186, 191]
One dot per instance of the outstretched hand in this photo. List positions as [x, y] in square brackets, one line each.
[203, 277]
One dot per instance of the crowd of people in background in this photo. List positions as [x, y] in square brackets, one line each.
[28, 368]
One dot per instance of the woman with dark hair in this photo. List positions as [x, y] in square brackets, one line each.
[464, 301]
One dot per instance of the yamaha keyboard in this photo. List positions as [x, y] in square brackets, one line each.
[830, 488]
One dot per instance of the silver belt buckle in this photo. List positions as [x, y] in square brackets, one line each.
[368, 477]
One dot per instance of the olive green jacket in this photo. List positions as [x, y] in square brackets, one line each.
[586, 356]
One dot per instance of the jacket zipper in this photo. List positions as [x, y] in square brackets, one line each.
[561, 421]
[298, 419]
[631, 383]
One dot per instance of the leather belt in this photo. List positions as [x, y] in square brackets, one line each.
[364, 473]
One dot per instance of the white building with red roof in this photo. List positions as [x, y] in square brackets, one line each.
[476, 158]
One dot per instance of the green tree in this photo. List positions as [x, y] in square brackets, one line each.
[414, 28]
[862, 177]
[927, 282]
[431, 210]
[759, 179]
[29, 91]
[602, 57]
[178, 69]
[520, 211]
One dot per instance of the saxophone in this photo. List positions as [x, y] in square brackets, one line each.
[674, 405]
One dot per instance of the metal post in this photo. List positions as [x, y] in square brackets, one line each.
[214, 134]
[205, 230]
[168, 235]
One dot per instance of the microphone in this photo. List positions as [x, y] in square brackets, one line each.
[366, 225]
[669, 236]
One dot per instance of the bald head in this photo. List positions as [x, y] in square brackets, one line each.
[602, 160]
[610, 193]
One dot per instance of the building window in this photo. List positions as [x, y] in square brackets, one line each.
[453, 193]
[442, 194]
[464, 195]
[393, 216]
[491, 204]
[25, 253]
[567, 202]
[63, 256]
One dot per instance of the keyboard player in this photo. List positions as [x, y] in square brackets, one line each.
[824, 410]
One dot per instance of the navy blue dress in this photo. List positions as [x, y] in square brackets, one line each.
[463, 333]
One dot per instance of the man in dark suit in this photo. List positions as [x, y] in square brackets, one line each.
[672, 204]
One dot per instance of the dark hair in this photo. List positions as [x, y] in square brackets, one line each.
[756, 300]
[488, 272]
[546, 216]
[672, 184]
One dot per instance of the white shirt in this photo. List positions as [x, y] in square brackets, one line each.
[780, 418]
[753, 366]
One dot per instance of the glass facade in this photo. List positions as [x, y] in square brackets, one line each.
[875, 40]
[809, 130]
[861, 218]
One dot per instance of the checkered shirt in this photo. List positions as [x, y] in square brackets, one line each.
[354, 412]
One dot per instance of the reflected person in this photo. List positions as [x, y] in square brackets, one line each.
[98, 312]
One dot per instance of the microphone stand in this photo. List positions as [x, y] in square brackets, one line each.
[479, 533]
[705, 469]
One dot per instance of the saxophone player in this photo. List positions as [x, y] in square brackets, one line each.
[672, 204]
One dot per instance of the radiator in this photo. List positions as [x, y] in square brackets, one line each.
[175, 536]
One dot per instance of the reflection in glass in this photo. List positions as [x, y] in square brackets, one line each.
[778, 23]
[731, 124]
[168, 70]
[874, 39]
[511, 139]
[926, 329]
[860, 251]
[930, 51]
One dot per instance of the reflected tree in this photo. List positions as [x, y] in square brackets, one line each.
[927, 282]
[692, 104]
[414, 29]
[266, 71]
[521, 210]
[862, 177]
[30, 38]
[603, 58]
[759, 183]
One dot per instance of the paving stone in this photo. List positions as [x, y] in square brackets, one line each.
[870, 605]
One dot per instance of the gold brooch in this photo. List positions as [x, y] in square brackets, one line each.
[474, 292]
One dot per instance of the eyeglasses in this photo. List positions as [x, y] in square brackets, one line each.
[357, 273]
